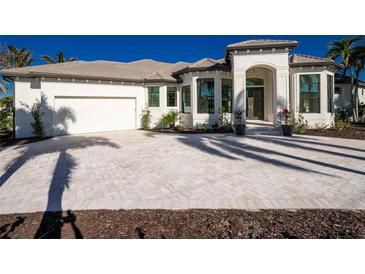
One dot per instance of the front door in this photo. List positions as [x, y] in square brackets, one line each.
[255, 103]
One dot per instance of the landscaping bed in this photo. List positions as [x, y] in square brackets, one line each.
[186, 224]
[6, 139]
[352, 132]
[190, 130]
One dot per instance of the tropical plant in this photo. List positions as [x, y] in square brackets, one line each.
[225, 120]
[300, 125]
[13, 57]
[6, 113]
[146, 119]
[238, 117]
[37, 124]
[60, 58]
[351, 55]
[284, 116]
[170, 118]
[342, 115]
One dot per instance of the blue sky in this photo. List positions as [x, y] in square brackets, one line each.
[161, 48]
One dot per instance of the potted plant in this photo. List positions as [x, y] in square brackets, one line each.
[285, 122]
[239, 126]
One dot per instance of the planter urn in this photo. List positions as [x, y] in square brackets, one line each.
[240, 129]
[286, 130]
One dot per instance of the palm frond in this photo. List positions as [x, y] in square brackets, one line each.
[48, 59]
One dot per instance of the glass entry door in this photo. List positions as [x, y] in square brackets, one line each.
[255, 103]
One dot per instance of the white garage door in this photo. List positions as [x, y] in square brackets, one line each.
[94, 114]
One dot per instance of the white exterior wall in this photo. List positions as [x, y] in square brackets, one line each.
[157, 112]
[52, 88]
[344, 99]
[314, 119]
[195, 118]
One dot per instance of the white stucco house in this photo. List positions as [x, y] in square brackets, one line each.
[343, 92]
[257, 76]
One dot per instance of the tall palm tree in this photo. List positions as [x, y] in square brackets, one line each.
[13, 57]
[358, 61]
[60, 58]
[343, 50]
[346, 51]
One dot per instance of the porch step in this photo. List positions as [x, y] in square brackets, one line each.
[261, 128]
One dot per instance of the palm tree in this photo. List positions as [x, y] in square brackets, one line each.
[358, 61]
[12, 57]
[60, 58]
[343, 50]
[347, 52]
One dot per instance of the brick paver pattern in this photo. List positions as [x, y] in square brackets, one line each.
[138, 169]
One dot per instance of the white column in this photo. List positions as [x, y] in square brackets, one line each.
[239, 90]
[217, 93]
[193, 94]
[281, 97]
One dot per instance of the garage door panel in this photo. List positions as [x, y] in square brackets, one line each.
[94, 114]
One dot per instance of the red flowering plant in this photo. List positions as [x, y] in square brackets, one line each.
[285, 117]
[238, 117]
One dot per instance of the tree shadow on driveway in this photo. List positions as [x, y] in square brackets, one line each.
[227, 144]
[52, 221]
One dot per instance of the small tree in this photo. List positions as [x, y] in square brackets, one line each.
[146, 119]
[37, 125]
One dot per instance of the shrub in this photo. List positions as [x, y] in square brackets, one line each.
[6, 113]
[300, 125]
[37, 125]
[146, 119]
[285, 117]
[225, 120]
[238, 117]
[342, 114]
[170, 118]
[321, 126]
[340, 125]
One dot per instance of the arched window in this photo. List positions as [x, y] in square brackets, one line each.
[252, 82]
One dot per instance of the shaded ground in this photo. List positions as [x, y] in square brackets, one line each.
[6, 139]
[353, 132]
[187, 224]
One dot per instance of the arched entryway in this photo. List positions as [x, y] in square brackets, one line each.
[260, 93]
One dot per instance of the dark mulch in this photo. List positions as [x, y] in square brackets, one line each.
[190, 130]
[6, 139]
[186, 224]
[352, 132]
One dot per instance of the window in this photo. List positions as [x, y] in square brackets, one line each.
[153, 96]
[330, 93]
[337, 90]
[185, 99]
[254, 82]
[227, 95]
[309, 93]
[171, 97]
[205, 95]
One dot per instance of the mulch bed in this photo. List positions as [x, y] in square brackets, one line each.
[352, 132]
[186, 224]
[190, 130]
[6, 139]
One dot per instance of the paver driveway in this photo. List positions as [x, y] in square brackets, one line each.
[136, 169]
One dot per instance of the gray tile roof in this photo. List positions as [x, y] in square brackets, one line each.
[138, 71]
[205, 64]
[297, 60]
[262, 43]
